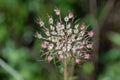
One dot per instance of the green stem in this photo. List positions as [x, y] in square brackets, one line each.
[65, 69]
[71, 70]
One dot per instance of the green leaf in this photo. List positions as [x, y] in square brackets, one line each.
[114, 37]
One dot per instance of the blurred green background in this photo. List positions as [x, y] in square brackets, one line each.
[20, 51]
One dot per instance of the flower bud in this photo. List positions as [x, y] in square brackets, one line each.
[82, 27]
[69, 47]
[60, 52]
[49, 58]
[37, 35]
[50, 46]
[47, 33]
[68, 26]
[89, 45]
[76, 26]
[64, 49]
[60, 57]
[53, 33]
[41, 23]
[51, 20]
[44, 45]
[57, 11]
[69, 31]
[52, 27]
[62, 27]
[62, 33]
[76, 31]
[90, 34]
[70, 15]
[77, 60]
[86, 56]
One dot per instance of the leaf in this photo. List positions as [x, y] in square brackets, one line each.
[114, 37]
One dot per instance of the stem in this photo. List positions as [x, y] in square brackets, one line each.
[71, 70]
[65, 69]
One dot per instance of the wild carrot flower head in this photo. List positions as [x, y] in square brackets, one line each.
[65, 39]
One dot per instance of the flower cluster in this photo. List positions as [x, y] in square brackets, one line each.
[65, 39]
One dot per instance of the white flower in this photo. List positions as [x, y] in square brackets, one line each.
[76, 26]
[37, 35]
[50, 46]
[68, 26]
[79, 38]
[52, 27]
[60, 52]
[62, 27]
[64, 49]
[73, 37]
[82, 33]
[50, 20]
[41, 23]
[69, 31]
[53, 33]
[62, 33]
[47, 33]
[66, 19]
[69, 47]
[76, 31]
[74, 50]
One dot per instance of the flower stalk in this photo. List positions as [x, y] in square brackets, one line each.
[65, 69]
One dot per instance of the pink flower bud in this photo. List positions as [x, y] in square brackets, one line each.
[86, 56]
[80, 54]
[82, 27]
[70, 15]
[60, 57]
[90, 34]
[37, 35]
[49, 58]
[89, 45]
[57, 11]
[44, 45]
[77, 60]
